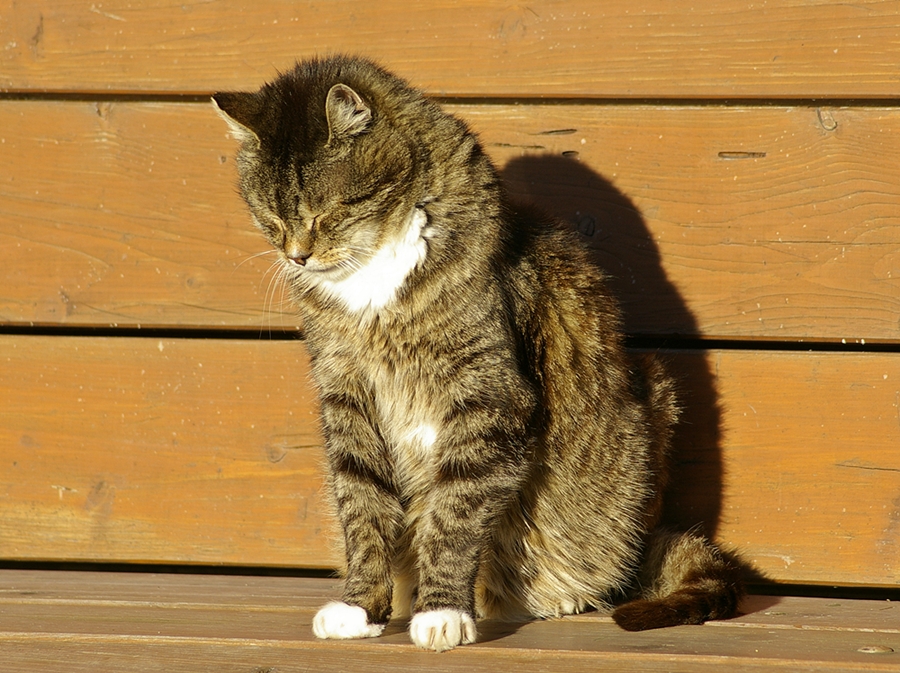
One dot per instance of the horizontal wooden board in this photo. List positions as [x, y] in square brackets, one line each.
[123, 214]
[101, 622]
[807, 461]
[733, 222]
[247, 593]
[662, 48]
[195, 451]
[159, 450]
[720, 221]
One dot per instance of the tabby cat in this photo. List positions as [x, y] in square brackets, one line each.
[493, 450]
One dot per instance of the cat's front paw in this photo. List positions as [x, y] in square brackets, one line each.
[340, 620]
[441, 630]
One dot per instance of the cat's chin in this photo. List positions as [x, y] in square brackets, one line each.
[317, 276]
[375, 284]
[315, 268]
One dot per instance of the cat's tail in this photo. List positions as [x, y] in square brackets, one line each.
[685, 579]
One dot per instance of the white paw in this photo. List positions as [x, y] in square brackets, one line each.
[441, 630]
[339, 620]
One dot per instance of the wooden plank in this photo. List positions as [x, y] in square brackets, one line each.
[159, 450]
[224, 592]
[38, 632]
[256, 593]
[106, 218]
[578, 48]
[145, 455]
[726, 222]
[807, 461]
[76, 654]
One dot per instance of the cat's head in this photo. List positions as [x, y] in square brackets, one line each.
[327, 163]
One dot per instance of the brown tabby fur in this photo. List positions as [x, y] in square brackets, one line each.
[493, 448]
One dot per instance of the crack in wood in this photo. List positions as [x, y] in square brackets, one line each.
[859, 465]
[738, 156]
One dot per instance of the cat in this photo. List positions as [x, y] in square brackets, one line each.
[493, 449]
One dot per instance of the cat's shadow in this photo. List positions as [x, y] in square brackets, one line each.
[656, 316]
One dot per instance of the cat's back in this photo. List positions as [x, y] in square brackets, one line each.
[560, 301]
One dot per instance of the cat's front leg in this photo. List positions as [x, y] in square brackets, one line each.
[449, 543]
[341, 620]
[441, 630]
[443, 615]
[371, 518]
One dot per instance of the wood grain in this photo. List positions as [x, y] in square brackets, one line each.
[195, 451]
[123, 214]
[159, 450]
[806, 459]
[720, 221]
[661, 48]
[54, 622]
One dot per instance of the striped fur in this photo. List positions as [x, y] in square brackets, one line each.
[494, 451]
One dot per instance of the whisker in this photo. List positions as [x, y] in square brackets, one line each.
[354, 248]
[251, 257]
[267, 315]
[351, 263]
[281, 277]
[287, 278]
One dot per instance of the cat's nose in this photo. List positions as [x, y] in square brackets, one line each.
[298, 257]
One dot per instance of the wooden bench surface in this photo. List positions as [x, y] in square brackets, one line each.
[733, 165]
[97, 622]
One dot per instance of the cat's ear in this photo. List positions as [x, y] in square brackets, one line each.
[346, 112]
[240, 111]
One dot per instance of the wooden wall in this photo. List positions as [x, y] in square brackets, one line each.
[735, 168]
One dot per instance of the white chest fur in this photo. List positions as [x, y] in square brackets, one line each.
[408, 425]
[376, 284]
